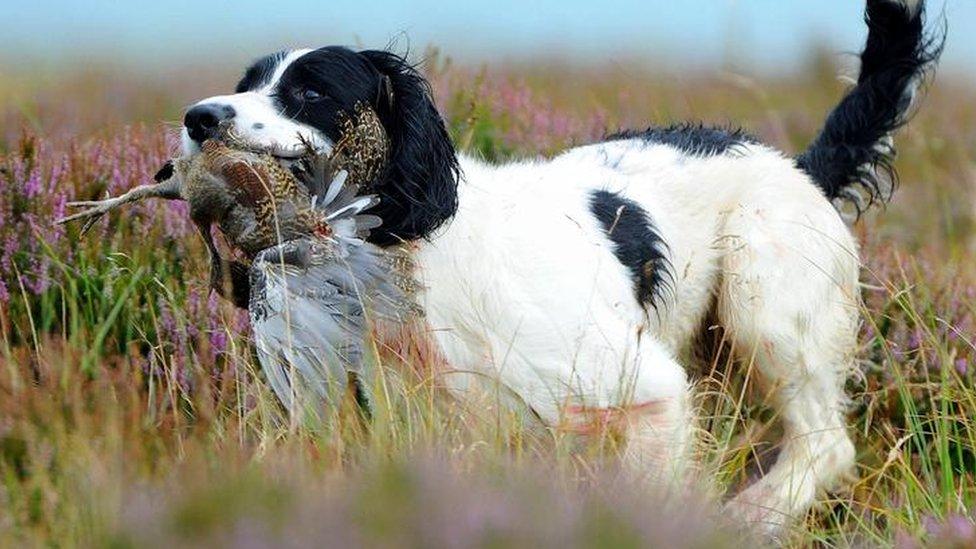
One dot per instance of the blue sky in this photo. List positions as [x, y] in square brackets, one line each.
[768, 34]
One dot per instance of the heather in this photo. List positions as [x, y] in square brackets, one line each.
[132, 411]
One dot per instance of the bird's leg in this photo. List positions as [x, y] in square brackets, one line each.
[169, 189]
[217, 281]
[235, 285]
[240, 281]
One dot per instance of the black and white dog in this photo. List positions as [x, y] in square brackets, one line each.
[580, 282]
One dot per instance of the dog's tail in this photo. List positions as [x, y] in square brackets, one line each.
[851, 159]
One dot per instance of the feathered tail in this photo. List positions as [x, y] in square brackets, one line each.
[851, 159]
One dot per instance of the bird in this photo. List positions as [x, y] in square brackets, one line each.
[314, 283]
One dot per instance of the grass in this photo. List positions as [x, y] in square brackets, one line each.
[132, 412]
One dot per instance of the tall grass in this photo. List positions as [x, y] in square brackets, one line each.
[133, 413]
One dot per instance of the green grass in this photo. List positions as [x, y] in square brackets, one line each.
[132, 412]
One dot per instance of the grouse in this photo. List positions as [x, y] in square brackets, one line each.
[314, 281]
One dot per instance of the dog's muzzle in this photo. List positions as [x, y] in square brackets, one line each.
[203, 121]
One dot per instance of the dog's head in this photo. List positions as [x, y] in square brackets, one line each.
[291, 98]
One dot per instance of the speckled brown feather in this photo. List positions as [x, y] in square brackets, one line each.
[258, 203]
[250, 196]
[364, 148]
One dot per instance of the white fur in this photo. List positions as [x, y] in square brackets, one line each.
[523, 287]
[259, 120]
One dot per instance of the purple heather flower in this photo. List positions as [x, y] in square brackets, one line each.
[32, 187]
[10, 247]
[166, 321]
[116, 184]
[955, 531]
[960, 528]
[38, 282]
[242, 322]
[213, 308]
[915, 339]
[183, 378]
[218, 343]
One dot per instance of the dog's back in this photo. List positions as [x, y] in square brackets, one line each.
[582, 281]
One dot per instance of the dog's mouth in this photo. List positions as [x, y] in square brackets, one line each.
[302, 147]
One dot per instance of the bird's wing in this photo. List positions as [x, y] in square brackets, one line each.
[312, 297]
[338, 199]
[309, 308]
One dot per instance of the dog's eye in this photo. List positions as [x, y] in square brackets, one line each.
[310, 95]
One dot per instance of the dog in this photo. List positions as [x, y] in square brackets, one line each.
[580, 282]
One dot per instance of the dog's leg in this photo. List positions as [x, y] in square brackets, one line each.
[654, 416]
[660, 433]
[659, 441]
[788, 298]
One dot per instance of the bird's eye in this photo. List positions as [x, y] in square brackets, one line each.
[310, 95]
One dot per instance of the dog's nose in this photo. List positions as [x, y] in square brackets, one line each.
[201, 121]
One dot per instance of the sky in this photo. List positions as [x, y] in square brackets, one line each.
[770, 35]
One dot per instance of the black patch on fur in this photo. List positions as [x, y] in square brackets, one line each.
[898, 51]
[636, 243]
[260, 72]
[692, 139]
[418, 189]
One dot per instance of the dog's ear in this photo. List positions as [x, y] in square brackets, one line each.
[419, 191]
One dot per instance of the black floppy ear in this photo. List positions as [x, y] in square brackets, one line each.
[419, 191]
[385, 93]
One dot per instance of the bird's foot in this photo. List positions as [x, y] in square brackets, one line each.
[96, 209]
